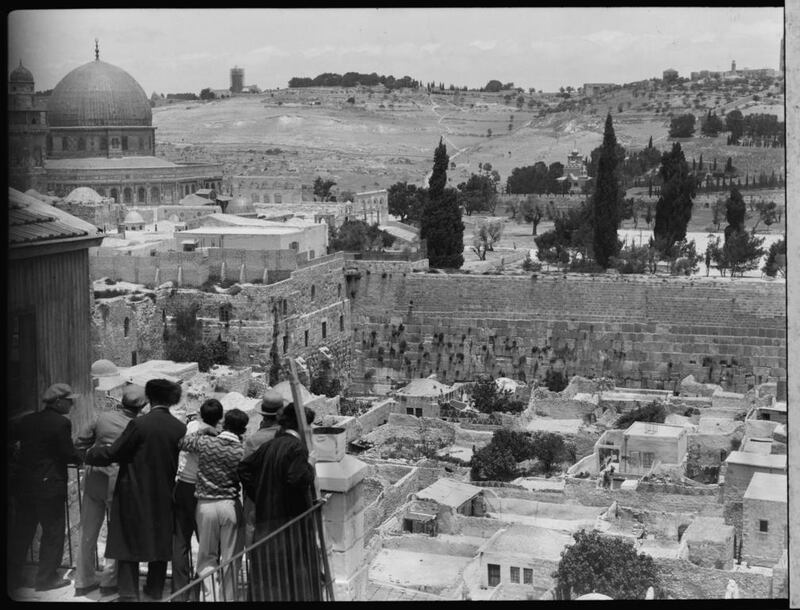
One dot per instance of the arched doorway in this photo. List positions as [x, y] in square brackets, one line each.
[115, 195]
[127, 195]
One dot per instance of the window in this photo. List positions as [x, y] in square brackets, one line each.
[341, 324]
[763, 525]
[126, 326]
[339, 291]
[313, 291]
[324, 329]
[285, 306]
[285, 343]
[141, 195]
[224, 314]
[114, 142]
[124, 142]
[494, 574]
[409, 410]
[134, 358]
[527, 576]
[514, 574]
[418, 411]
[647, 459]
[305, 338]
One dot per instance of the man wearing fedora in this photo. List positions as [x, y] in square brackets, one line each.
[271, 404]
[98, 490]
[45, 448]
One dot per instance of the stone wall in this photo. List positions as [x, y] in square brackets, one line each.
[376, 416]
[645, 332]
[671, 498]
[144, 330]
[763, 548]
[681, 579]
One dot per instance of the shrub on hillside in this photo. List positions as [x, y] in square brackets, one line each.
[653, 412]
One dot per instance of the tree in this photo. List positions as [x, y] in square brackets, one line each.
[548, 448]
[493, 463]
[478, 194]
[406, 201]
[674, 206]
[485, 235]
[358, 236]
[493, 86]
[531, 212]
[652, 412]
[207, 94]
[735, 212]
[682, 126]
[776, 259]
[606, 200]
[186, 343]
[441, 223]
[767, 213]
[734, 123]
[604, 564]
[742, 252]
[322, 188]
[712, 125]
[717, 208]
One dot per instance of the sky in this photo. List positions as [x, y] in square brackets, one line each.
[186, 50]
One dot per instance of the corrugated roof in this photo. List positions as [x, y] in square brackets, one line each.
[33, 221]
[449, 492]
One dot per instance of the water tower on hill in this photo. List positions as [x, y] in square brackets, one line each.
[237, 79]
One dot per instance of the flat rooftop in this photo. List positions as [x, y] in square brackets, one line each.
[770, 487]
[137, 162]
[249, 230]
[755, 459]
[449, 492]
[640, 428]
[526, 539]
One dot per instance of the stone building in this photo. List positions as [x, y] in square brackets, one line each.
[575, 173]
[735, 477]
[645, 445]
[97, 131]
[422, 397]
[371, 206]
[271, 189]
[764, 519]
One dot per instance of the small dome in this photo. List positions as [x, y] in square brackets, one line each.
[84, 194]
[240, 205]
[104, 368]
[133, 218]
[21, 74]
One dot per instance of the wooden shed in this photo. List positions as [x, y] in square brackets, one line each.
[49, 304]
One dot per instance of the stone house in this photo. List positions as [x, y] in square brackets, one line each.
[646, 444]
[422, 397]
[764, 519]
[739, 469]
[709, 543]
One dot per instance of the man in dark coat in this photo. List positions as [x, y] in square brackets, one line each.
[40, 485]
[141, 523]
[278, 477]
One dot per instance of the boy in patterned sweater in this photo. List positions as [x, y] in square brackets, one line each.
[220, 524]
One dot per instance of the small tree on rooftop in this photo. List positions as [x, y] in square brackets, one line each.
[604, 564]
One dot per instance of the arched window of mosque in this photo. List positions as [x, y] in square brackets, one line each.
[313, 291]
[141, 195]
[49, 143]
[81, 144]
[278, 198]
[126, 326]
[115, 195]
[294, 245]
[124, 142]
[127, 195]
[33, 120]
[114, 142]
[103, 143]
[155, 195]
[101, 192]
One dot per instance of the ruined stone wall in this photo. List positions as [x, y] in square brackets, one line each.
[313, 296]
[645, 332]
[671, 498]
[144, 336]
[681, 579]
[376, 416]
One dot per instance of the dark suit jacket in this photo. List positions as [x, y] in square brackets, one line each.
[140, 528]
[46, 448]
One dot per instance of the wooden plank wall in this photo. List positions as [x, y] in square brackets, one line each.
[58, 288]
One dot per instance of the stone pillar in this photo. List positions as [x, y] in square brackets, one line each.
[343, 518]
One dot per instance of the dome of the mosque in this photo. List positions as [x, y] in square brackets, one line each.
[21, 74]
[84, 194]
[98, 94]
[133, 217]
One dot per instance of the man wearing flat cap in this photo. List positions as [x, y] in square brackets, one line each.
[45, 449]
[141, 524]
[98, 490]
[271, 404]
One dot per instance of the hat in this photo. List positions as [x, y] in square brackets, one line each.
[272, 402]
[58, 390]
[133, 397]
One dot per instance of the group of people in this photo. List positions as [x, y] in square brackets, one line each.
[159, 482]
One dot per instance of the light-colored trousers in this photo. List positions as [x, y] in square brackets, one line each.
[220, 532]
[98, 490]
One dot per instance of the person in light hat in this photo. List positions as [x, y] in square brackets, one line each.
[44, 449]
[271, 404]
[98, 490]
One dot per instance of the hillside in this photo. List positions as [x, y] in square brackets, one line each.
[383, 137]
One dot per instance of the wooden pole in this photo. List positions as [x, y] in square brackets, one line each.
[300, 413]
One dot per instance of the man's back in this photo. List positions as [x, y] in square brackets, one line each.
[45, 450]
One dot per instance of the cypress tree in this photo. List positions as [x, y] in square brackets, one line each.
[700, 163]
[441, 224]
[674, 206]
[606, 200]
[650, 143]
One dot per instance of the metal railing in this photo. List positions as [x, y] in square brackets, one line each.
[289, 564]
